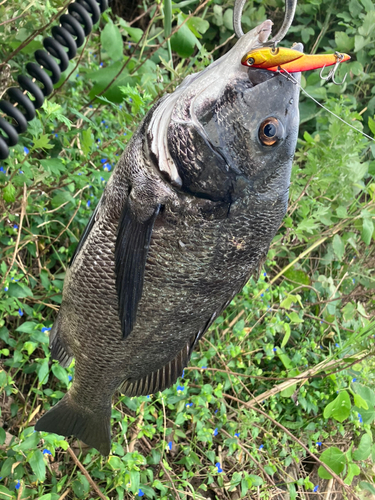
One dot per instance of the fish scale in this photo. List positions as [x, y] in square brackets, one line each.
[186, 218]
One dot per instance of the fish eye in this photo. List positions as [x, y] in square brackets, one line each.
[271, 131]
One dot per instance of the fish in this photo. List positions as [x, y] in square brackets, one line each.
[185, 220]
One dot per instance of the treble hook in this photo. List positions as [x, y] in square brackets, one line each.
[332, 71]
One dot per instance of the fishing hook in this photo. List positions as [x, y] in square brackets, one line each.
[290, 8]
[332, 72]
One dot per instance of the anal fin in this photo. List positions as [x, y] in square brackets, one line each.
[59, 350]
[160, 379]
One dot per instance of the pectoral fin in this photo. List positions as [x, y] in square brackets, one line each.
[132, 244]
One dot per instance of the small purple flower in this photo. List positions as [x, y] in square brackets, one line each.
[90, 106]
[216, 432]
[216, 411]
[2, 170]
[15, 226]
[140, 493]
[360, 418]
[56, 135]
[337, 345]
[46, 452]
[125, 133]
[237, 435]
[18, 484]
[88, 203]
[26, 151]
[102, 179]
[261, 446]
[262, 294]
[70, 378]
[104, 160]
[170, 445]
[264, 274]
[316, 488]
[319, 443]
[6, 289]
[219, 469]
[107, 167]
[188, 405]
[354, 379]
[20, 172]
[101, 64]
[103, 121]
[20, 312]
[45, 329]
[79, 173]
[274, 349]
[180, 388]
[148, 396]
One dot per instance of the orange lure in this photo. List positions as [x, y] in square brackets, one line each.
[292, 61]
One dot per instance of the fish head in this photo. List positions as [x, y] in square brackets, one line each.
[229, 126]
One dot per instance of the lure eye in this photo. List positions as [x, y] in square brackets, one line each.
[250, 61]
[271, 131]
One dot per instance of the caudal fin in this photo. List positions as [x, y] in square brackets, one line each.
[69, 419]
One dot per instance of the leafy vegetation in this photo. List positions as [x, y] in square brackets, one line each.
[279, 397]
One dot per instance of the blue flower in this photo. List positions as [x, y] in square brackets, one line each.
[125, 133]
[101, 64]
[102, 179]
[18, 484]
[148, 396]
[183, 374]
[237, 435]
[20, 312]
[20, 172]
[6, 289]
[188, 405]
[15, 226]
[180, 388]
[2, 170]
[90, 106]
[129, 45]
[104, 160]
[261, 446]
[319, 443]
[353, 281]
[120, 106]
[262, 294]
[274, 349]
[354, 379]
[360, 418]
[79, 173]
[46, 452]
[219, 469]
[56, 135]
[316, 487]
[45, 329]
[107, 167]
[264, 274]
[130, 99]
[88, 203]
[140, 493]
[70, 378]
[170, 445]
[77, 75]
[216, 432]
[203, 367]
[103, 121]
[26, 151]
[337, 345]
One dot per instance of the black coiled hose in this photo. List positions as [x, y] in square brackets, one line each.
[83, 14]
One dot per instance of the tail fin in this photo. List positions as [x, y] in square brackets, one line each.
[69, 419]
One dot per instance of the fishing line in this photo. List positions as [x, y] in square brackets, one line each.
[293, 80]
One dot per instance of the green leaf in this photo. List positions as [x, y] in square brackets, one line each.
[338, 247]
[353, 470]
[344, 43]
[135, 34]
[228, 19]
[42, 142]
[298, 276]
[60, 373]
[360, 402]
[27, 327]
[111, 41]
[364, 485]
[61, 198]
[9, 192]
[37, 464]
[335, 459]
[294, 318]
[43, 370]
[288, 392]
[184, 41]
[364, 449]
[367, 230]
[371, 125]
[19, 290]
[287, 334]
[339, 409]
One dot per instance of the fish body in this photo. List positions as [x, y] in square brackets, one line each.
[186, 218]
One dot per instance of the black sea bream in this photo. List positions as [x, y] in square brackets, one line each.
[186, 218]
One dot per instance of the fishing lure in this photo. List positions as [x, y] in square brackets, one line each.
[280, 59]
